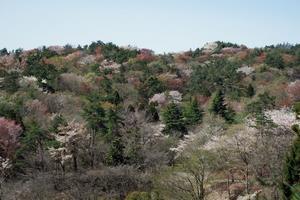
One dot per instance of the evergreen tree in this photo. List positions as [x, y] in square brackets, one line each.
[250, 90]
[150, 87]
[291, 182]
[152, 113]
[10, 82]
[94, 115]
[296, 109]
[173, 119]
[192, 112]
[219, 107]
[115, 154]
[115, 98]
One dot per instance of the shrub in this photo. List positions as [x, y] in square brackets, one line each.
[274, 59]
[139, 196]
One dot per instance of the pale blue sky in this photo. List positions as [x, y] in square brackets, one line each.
[162, 25]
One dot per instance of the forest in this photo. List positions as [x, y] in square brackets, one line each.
[103, 121]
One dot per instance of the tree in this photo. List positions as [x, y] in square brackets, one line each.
[192, 112]
[3, 52]
[173, 119]
[94, 114]
[10, 132]
[10, 82]
[114, 98]
[250, 90]
[219, 107]
[291, 180]
[274, 59]
[38, 68]
[207, 78]
[152, 113]
[150, 87]
[34, 140]
[192, 175]
[115, 154]
[296, 109]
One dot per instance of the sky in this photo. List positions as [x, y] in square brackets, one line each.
[160, 25]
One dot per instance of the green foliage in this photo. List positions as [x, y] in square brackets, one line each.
[250, 92]
[36, 67]
[113, 52]
[219, 107]
[296, 109]
[114, 98]
[139, 196]
[106, 85]
[94, 114]
[3, 52]
[274, 59]
[150, 87]
[152, 113]
[58, 121]
[33, 137]
[10, 82]
[222, 45]
[115, 154]
[265, 101]
[192, 113]
[42, 71]
[47, 53]
[173, 119]
[292, 168]
[219, 73]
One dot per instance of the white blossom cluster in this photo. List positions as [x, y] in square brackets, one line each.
[284, 117]
[246, 70]
[165, 97]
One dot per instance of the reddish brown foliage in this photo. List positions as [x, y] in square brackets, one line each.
[202, 100]
[174, 84]
[261, 58]
[9, 137]
[146, 55]
[181, 58]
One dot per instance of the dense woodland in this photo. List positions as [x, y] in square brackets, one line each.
[106, 122]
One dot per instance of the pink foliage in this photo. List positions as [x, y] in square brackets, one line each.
[9, 137]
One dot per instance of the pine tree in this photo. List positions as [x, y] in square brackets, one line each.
[219, 107]
[173, 119]
[250, 90]
[291, 183]
[192, 112]
[152, 113]
[94, 115]
[115, 154]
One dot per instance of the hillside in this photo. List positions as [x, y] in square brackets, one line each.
[109, 122]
